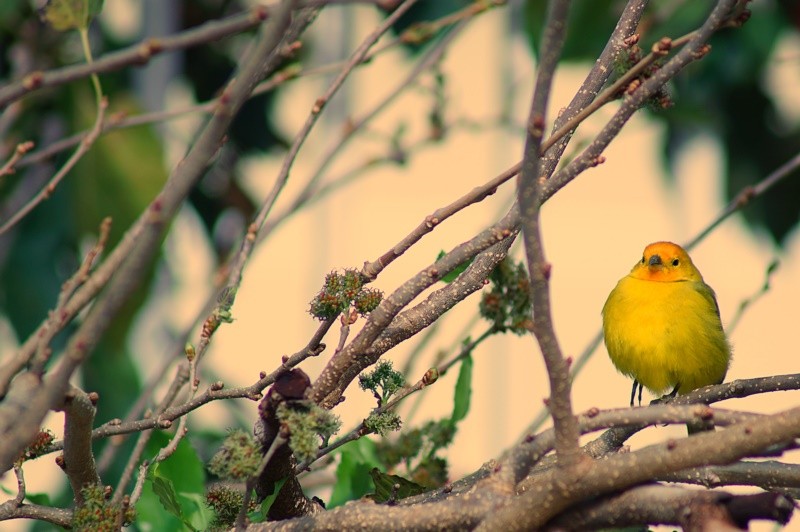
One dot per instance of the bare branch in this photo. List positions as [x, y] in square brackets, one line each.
[138, 54]
[529, 197]
[79, 464]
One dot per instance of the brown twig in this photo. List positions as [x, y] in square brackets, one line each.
[529, 197]
[9, 167]
[138, 54]
[48, 190]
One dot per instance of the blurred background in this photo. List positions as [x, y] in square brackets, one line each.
[735, 119]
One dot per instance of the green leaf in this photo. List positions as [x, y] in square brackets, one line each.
[66, 15]
[174, 492]
[393, 487]
[458, 270]
[200, 515]
[165, 491]
[42, 499]
[352, 475]
[463, 391]
[261, 515]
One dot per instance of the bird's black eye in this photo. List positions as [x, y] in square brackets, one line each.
[675, 262]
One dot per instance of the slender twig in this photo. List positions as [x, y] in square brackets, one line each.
[137, 54]
[22, 148]
[529, 196]
[140, 480]
[48, 190]
[20, 474]
[165, 415]
[55, 321]
[748, 301]
[747, 195]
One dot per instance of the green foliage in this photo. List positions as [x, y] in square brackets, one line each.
[393, 487]
[66, 15]
[42, 499]
[173, 497]
[238, 458]
[417, 449]
[307, 422]
[260, 513]
[356, 459]
[458, 270]
[339, 291]
[98, 514]
[383, 423]
[507, 304]
[463, 391]
[383, 381]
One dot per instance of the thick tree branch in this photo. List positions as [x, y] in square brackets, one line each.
[79, 464]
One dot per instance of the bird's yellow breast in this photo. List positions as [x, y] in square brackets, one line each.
[665, 334]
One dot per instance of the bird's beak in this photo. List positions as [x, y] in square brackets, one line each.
[654, 261]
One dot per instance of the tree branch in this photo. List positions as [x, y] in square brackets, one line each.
[529, 197]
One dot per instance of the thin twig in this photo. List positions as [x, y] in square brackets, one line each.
[48, 190]
[9, 167]
[137, 54]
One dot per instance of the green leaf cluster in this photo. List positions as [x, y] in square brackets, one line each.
[383, 381]
[97, 512]
[238, 458]
[339, 291]
[307, 422]
[226, 503]
[353, 481]
[382, 423]
[507, 304]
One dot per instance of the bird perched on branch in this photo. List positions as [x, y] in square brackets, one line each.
[662, 326]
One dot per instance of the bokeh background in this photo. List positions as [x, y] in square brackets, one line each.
[666, 177]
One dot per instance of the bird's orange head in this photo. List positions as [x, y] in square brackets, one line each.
[665, 262]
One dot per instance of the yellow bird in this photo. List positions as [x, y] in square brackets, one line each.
[662, 327]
